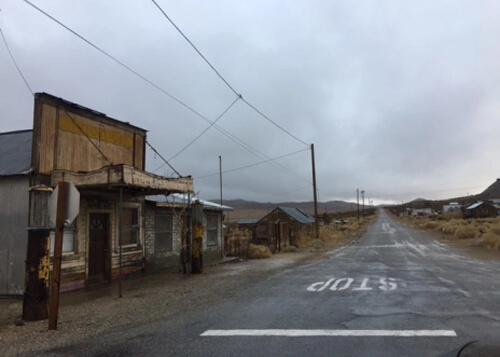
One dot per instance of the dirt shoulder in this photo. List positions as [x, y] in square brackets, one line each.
[98, 310]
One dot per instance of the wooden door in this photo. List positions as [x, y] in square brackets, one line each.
[98, 247]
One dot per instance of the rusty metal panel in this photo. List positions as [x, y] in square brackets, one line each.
[36, 295]
[13, 235]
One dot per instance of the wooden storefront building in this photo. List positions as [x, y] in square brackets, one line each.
[105, 159]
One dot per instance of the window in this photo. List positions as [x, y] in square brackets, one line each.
[68, 239]
[130, 227]
[163, 231]
[212, 229]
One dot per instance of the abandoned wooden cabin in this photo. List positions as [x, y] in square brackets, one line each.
[480, 210]
[282, 227]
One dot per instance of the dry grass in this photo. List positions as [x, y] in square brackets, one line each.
[491, 240]
[466, 231]
[258, 252]
[332, 235]
[289, 249]
[486, 230]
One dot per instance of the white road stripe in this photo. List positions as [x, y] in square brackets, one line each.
[331, 333]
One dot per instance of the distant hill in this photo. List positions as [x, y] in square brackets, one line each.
[252, 209]
[493, 191]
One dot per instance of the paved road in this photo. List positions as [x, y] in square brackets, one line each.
[396, 292]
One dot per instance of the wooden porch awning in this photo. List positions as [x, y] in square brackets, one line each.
[128, 177]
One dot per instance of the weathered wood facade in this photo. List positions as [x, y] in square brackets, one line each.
[104, 158]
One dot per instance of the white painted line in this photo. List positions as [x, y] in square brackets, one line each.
[331, 333]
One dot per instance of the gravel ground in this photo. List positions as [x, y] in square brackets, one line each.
[88, 313]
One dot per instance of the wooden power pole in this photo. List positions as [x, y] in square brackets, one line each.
[316, 223]
[62, 199]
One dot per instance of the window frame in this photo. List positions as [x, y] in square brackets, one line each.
[69, 231]
[168, 245]
[209, 229]
[131, 227]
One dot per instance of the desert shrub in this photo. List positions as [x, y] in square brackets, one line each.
[258, 252]
[466, 231]
[450, 227]
[431, 225]
[304, 238]
[495, 228]
[491, 240]
[316, 244]
[289, 249]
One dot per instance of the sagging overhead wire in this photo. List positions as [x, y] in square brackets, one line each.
[229, 135]
[201, 134]
[252, 165]
[161, 157]
[196, 49]
[223, 79]
[15, 63]
[68, 114]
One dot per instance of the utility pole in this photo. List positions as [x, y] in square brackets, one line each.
[316, 225]
[357, 195]
[363, 196]
[220, 179]
[222, 212]
[62, 201]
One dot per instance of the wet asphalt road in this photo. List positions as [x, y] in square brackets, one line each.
[393, 280]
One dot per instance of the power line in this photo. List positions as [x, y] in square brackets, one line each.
[15, 63]
[252, 165]
[220, 129]
[166, 162]
[274, 123]
[196, 49]
[206, 129]
[223, 79]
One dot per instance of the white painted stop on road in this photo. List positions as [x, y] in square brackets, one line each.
[72, 205]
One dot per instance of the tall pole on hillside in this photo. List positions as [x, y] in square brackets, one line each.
[316, 225]
[357, 195]
[363, 196]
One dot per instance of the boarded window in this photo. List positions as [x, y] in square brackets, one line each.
[130, 230]
[68, 239]
[212, 229]
[163, 231]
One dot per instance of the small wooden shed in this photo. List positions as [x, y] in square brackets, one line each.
[480, 210]
[282, 227]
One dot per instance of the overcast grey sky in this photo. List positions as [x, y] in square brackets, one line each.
[400, 98]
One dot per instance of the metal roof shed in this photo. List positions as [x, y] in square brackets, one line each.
[15, 168]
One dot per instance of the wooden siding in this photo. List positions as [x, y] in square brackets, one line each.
[67, 137]
[121, 175]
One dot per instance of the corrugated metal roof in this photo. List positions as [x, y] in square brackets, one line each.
[475, 205]
[297, 214]
[15, 152]
[248, 221]
[181, 199]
